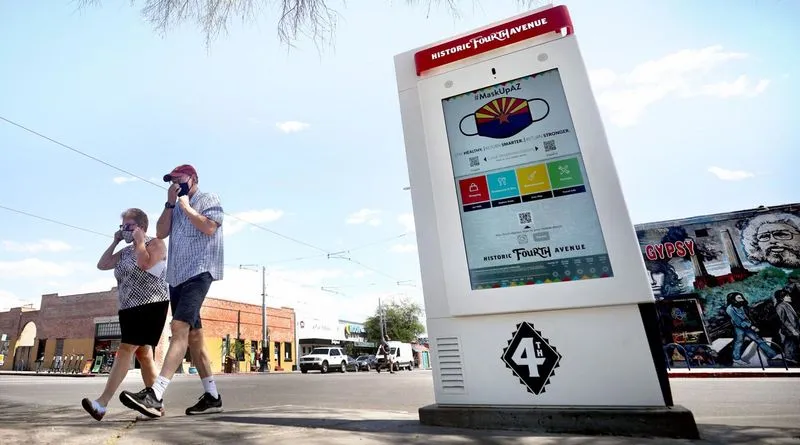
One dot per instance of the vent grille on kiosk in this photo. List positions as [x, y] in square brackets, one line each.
[451, 368]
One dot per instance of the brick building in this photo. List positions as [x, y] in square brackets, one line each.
[87, 325]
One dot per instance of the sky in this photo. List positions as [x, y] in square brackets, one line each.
[697, 99]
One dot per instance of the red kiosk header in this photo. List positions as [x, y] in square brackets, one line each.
[526, 27]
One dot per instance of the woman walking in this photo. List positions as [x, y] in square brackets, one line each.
[140, 270]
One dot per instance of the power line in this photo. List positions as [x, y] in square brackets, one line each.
[79, 152]
[55, 222]
[295, 240]
[352, 249]
[94, 232]
[82, 153]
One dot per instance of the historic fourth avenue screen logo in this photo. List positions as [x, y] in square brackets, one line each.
[531, 358]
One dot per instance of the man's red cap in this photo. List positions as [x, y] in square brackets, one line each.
[184, 169]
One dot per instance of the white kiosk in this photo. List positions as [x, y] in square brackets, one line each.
[539, 313]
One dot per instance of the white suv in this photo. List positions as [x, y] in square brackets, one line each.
[324, 359]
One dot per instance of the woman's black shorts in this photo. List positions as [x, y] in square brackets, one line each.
[143, 325]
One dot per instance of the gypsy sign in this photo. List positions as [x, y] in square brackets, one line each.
[668, 250]
[503, 117]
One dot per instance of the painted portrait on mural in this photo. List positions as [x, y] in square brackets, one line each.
[727, 286]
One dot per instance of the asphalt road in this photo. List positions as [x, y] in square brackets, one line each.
[759, 403]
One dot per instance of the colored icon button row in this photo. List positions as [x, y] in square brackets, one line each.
[525, 184]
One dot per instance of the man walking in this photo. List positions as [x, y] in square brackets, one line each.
[193, 222]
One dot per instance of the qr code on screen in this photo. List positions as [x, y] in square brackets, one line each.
[525, 218]
[474, 161]
[549, 145]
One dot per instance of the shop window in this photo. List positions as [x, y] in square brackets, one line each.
[108, 330]
[59, 347]
[287, 352]
[277, 353]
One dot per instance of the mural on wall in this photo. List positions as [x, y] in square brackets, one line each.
[727, 286]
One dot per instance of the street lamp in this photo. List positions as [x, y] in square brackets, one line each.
[264, 362]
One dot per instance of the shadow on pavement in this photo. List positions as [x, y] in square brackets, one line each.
[23, 423]
[722, 434]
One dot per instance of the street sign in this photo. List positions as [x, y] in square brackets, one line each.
[531, 358]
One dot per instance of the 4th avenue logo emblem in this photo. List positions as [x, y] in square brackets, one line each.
[531, 358]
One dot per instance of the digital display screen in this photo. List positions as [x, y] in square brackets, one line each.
[526, 206]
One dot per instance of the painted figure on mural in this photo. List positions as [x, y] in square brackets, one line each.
[773, 238]
[664, 281]
[743, 327]
[789, 325]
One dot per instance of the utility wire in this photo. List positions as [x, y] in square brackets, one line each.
[281, 235]
[79, 152]
[75, 150]
[94, 232]
[352, 249]
[55, 222]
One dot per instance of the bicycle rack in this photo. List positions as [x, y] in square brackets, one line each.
[779, 349]
[685, 355]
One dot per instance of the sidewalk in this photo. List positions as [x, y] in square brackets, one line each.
[732, 372]
[673, 373]
[46, 374]
[308, 426]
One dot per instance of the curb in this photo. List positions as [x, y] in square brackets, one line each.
[45, 374]
[731, 374]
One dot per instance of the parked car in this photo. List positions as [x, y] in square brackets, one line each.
[352, 364]
[323, 360]
[366, 362]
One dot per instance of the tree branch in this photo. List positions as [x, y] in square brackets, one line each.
[311, 18]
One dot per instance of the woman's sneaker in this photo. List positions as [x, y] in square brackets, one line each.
[94, 409]
[206, 405]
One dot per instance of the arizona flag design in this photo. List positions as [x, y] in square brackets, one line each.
[503, 117]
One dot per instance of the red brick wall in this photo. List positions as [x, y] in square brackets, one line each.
[13, 321]
[72, 316]
[220, 316]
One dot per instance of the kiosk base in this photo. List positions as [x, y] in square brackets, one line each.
[673, 422]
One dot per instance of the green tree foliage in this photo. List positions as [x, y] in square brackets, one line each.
[402, 322]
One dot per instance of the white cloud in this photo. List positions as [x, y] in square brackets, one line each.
[292, 126]
[730, 175]
[739, 87]
[403, 248]
[36, 268]
[233, 225]
[124, 179]
[44, 245]
[365, 216]
[89, 286]
[361, 273]
[602, 78]
[407, 221]
[9, 300]
[625, 97]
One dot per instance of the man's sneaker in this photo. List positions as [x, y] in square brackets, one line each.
[143, 401]
[206, 405]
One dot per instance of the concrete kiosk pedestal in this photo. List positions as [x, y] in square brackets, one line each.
[539, 313]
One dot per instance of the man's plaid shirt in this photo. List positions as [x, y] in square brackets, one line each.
[191, 252]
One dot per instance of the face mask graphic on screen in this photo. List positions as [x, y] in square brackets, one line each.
[503, 117]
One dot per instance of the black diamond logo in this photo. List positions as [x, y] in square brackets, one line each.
[531, 358]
